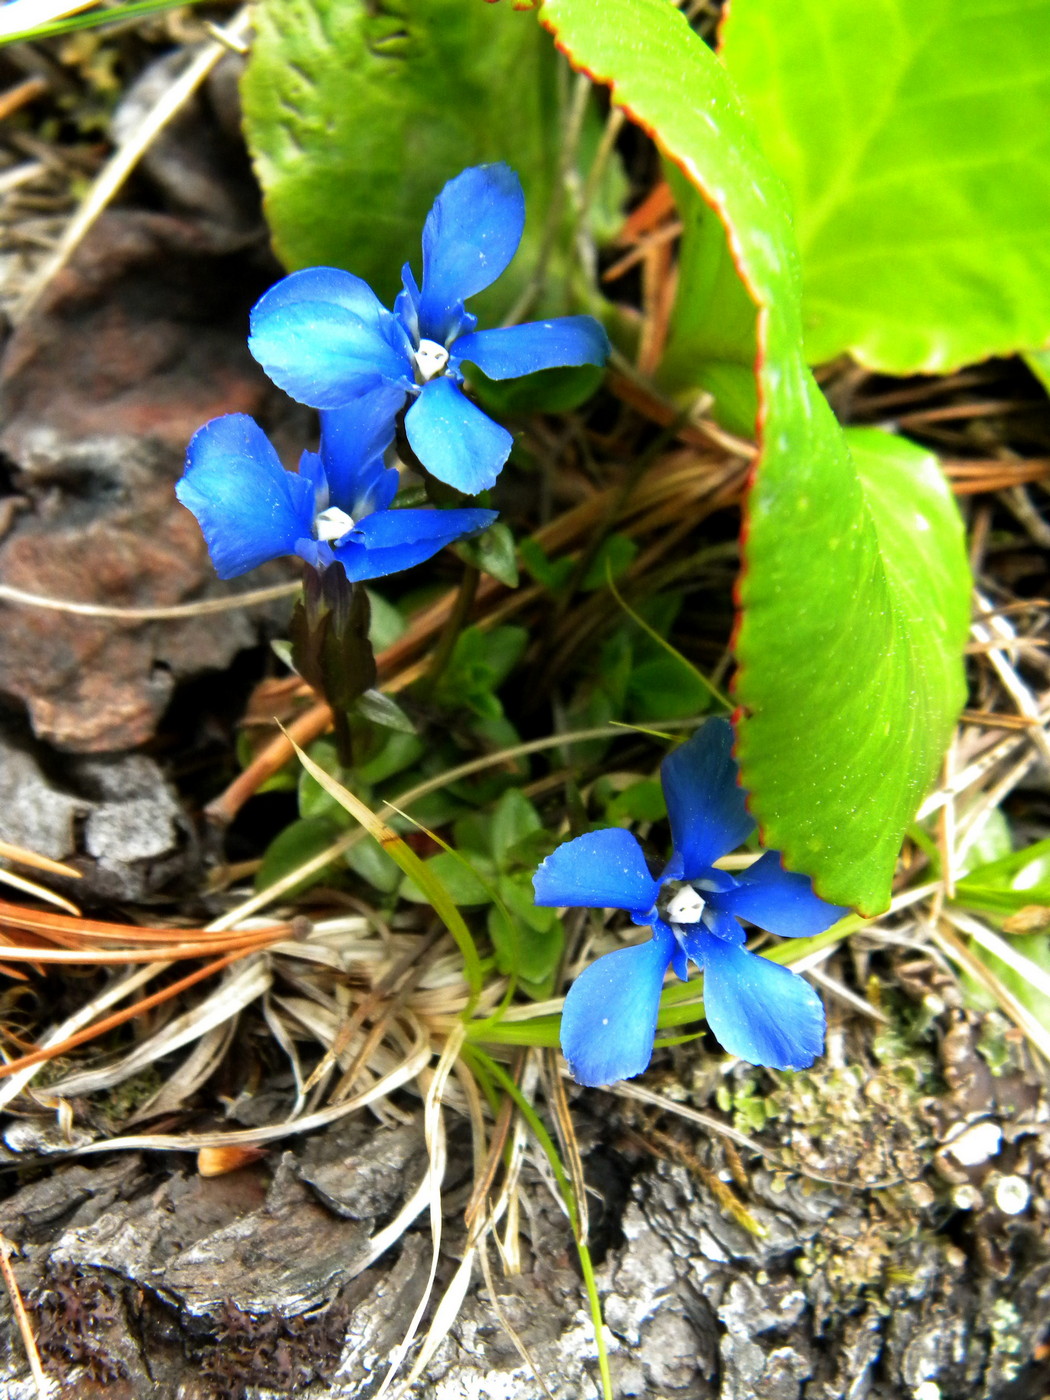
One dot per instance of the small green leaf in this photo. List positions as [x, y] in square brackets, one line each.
[293, 847]
[546, 391]
[528, 941]
[493, 552]
[387, 624]
[398, 752]
[374, 866]
[457, 876]
[614, 557]
[481, 661]
[513, 819]
[641, 802]
[314, 801]
[1010, 883]
[383, 710]
[665, 688]
[915, 143]
[553, 574]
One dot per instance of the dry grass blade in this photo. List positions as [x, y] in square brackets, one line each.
[184, 1081]
[58, 1046]
[242, 986]
[21, 856]
[20, 15]
[127, 156]
[412, 1060]
[37, 891]
[961, 955]
[434, 1129]
[252, 598]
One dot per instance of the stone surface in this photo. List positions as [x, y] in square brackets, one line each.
[135, 345]
[113, 818]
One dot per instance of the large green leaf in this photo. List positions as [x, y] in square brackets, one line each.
[357, 113]
[850, 632]
[914, 136]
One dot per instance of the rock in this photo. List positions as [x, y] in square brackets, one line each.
[135, 345]
[113, 818]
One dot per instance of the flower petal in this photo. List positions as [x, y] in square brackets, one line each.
[249, 508]
[471, 234]
[601, 870]
[705, 805]
[758, 1010]
[774, 899]
[323, 337]
[609, 1019]
[353, 440]
[392, 540]
[518, 350]
[329, 284]
[454, 440]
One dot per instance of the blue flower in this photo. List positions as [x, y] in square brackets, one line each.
[758, 1010]
[324, 337]
[334, 509]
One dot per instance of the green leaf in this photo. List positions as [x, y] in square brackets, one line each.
[881, 684]
[553, 574]
[641, 802]
[615, 555]
[1011, 883]
[356, 114]
[528, 940]
[314, 801]
[513, 819]
[399, 751]
[384, 710]
[665, 688]
[1038, 362]
[294, 846]
[387, 624]
[480, 663]
[915, 143]
[546, 391]
[849, 641]
[493, 552]
[374, 866]
[711, 342]
[457, 876]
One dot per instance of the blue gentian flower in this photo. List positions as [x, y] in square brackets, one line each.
[324, 337]
[758, 1010]
[334, 509]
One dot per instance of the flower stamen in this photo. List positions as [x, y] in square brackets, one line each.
[430, 360]
[332, 524]
[685, 906]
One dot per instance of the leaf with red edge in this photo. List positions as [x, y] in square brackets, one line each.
[849, 645]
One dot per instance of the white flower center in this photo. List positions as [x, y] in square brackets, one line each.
[431, 359]
[686, 906]
[332, 524]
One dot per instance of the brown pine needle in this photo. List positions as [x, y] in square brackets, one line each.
[118, 1018]
[43, 1385]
